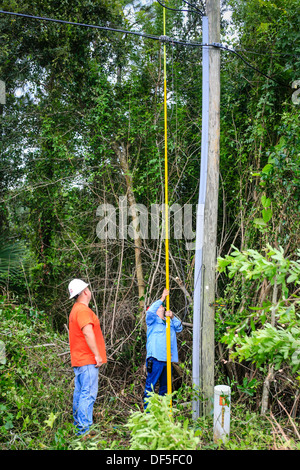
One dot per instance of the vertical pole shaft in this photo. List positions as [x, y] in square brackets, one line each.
[198, 272]
[211, 208]
[168, 326]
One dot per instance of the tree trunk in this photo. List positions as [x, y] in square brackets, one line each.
[270, 375]
[122, 152]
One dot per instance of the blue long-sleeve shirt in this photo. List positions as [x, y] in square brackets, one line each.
[157, 337]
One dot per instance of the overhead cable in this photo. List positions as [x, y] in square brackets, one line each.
[144, 35]
[193, 10]
[54, 20]
[252, 66]
[194, 7]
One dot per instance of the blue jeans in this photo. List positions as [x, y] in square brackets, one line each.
[158, 374]
[85, 394]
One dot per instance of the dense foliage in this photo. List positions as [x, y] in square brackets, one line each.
[83, 126]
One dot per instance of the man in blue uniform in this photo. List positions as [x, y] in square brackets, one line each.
[156, 359]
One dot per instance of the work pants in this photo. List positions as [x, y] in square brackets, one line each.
[85, 394]
[157, 375]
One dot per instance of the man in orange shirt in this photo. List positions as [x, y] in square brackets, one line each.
[88, 353]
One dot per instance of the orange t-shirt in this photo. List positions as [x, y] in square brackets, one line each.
[81, 355]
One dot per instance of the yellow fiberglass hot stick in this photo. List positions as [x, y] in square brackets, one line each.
[168, 326]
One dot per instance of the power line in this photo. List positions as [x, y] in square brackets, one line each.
[144, 35]
[194, 9]
[54, 20]
[269, 53]
[106, 28]
[252, 66]
[169, 8]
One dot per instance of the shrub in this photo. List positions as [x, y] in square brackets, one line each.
[156, 428]
[34, 382]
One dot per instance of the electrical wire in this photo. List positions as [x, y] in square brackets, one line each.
[169, 8]
[106, 28]
[193, 10]
[163, 39]
[197, 10]
[270, 53]
[252, 66]
[54, 20]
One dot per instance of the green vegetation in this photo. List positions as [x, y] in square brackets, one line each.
[157, 429]
[36, 387]
[82, 127]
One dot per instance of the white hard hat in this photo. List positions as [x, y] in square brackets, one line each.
[76, 286]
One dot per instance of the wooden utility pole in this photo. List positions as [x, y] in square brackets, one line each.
[211, 208]
[206, 228]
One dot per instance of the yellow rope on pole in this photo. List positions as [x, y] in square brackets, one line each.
[168, 326]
